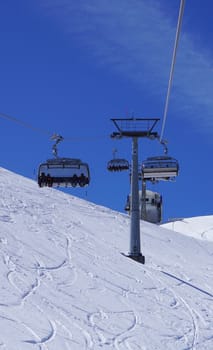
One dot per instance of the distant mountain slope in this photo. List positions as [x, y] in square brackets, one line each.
[64, 283]
[198, 227]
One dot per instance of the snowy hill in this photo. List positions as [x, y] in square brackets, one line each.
[198, 227]
[65, 285]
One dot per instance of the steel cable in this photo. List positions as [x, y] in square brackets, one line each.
[180, 19]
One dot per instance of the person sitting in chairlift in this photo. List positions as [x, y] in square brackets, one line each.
[82, 180]
[49, 180]
[74, 180]
[41, 179]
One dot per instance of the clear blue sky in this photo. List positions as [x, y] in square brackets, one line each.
[67, 67]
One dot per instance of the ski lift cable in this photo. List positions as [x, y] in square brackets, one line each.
[46, 132]
[180, 19]
[26, 125]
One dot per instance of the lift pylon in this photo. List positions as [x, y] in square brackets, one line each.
[135, 128]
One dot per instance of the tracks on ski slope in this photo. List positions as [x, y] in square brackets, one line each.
[87, 327]
[186, 300]
[155, 275]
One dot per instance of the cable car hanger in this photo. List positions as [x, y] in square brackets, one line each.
[164, 144]
[57, 138]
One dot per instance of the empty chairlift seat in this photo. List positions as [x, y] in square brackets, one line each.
[63, 172]
[160, 168]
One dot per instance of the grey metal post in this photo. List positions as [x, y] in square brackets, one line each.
[135, 128]
[135, 248]
[143, 200]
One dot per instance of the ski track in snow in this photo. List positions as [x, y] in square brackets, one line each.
[101, 335]
[48, 338]
[105, 334]
[180, 301]
[194, 314]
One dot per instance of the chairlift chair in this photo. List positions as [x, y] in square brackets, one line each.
[160, 168]
[118, 164]
[63, 172]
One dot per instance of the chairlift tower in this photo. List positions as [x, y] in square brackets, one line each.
[143, 213]
[135, 128]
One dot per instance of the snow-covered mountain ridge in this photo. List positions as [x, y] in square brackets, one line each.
[66, 285]
[200, 227]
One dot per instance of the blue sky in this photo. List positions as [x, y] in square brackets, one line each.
[67, 67]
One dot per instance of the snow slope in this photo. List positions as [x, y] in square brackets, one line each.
[198, 227]
[65, 285]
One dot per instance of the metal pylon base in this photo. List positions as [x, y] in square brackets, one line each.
[139, 258]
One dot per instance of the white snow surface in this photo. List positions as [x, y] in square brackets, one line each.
[64, 283]
[198, 227]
